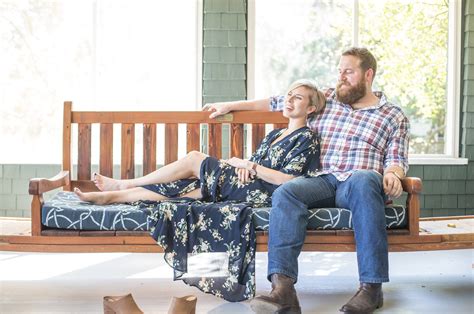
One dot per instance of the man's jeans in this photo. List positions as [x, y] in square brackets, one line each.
[362, 193]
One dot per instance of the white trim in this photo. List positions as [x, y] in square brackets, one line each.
[452, 131]
[251, 29]
[437, 160]
[451, 147]
[199, 44]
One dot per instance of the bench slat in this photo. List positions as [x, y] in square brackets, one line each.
[127, 165]
[171, 142]
[84, 152]
[192, 137]
[149, 148]
[67, 118]
[258, 133]
[280, 125]
[106, 149]
[215, 140]
[175, 117]
[237, 140]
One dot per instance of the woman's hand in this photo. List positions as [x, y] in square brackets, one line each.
[238, 163]
[241, 168]
[243, 175]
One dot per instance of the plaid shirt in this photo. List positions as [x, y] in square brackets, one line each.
[371, 138]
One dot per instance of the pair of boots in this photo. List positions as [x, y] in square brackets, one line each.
[126, 305]
[283, 298]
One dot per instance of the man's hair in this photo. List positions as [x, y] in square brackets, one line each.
[317, 98]
[367, 59]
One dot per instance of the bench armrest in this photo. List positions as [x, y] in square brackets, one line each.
[412, 185]
[40, 185]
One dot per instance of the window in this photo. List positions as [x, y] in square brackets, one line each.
[416, 44]
[100, 54]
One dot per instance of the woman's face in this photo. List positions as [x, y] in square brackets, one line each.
[297, 103]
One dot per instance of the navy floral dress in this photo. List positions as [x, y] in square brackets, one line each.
[216, 232]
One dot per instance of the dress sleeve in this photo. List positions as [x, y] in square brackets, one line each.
[303, 158]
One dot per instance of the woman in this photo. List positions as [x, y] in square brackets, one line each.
[282, 155]
[214, 212]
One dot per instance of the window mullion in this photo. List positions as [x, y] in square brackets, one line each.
[355, 24]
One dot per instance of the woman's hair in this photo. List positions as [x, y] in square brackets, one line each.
[317, 98]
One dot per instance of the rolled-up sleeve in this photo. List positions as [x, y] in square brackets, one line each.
[397, 148]
[277, 103]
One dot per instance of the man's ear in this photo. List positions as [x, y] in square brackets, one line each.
[369, 75]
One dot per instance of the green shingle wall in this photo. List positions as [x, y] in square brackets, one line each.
[224, 55]
[224, 50]
[448, 190]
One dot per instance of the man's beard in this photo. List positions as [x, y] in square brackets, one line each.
[352, 94]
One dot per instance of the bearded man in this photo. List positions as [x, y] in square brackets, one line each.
[364, 156]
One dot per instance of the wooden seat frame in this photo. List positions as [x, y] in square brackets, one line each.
[408, 239]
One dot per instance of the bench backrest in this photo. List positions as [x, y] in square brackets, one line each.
[170, 119]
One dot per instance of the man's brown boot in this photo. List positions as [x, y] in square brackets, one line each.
[366, 300]
[282, 299]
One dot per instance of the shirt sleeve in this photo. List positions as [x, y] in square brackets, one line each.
[304, 157]
[397, 148]
[277, 103]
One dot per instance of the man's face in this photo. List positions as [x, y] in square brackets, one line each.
[352, 84]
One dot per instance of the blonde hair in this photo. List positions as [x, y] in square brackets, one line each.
[317, 98]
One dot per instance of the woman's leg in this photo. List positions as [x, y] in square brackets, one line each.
[129, 195]
[187, 167]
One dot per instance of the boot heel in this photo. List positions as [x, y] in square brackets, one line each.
[380, 303]
[183, 305]
[108, 310]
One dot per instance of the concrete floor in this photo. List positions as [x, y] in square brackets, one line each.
[421, 282]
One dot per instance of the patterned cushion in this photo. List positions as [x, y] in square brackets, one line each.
[66, 211]
[335, 218]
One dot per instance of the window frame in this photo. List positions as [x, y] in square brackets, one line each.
[453, 108]
[198, 77]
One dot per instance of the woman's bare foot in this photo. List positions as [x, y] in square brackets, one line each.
[104, 183]
[99, 198]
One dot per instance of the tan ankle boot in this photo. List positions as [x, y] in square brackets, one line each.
[124, 304]
[183, 305]
[282, 298]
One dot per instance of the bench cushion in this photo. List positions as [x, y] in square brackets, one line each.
[66, 211]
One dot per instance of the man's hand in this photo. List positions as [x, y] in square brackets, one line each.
[218, 109]
[392, 185]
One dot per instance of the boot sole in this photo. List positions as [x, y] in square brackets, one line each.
[265, 307]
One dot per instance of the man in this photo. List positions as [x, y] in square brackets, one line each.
[363, 159]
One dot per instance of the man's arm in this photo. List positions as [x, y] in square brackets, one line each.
[220, 108]
[396, 159]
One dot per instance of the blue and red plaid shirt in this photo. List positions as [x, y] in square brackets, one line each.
[371, 138]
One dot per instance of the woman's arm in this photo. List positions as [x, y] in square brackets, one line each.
[220, 108]
[266, 174]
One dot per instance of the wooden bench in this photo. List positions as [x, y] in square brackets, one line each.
[70, 240]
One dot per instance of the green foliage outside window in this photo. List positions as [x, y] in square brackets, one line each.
[408, 38]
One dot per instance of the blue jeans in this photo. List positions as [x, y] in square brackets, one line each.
[362, 193]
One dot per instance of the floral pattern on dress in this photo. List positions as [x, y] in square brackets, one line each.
[221, 222]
